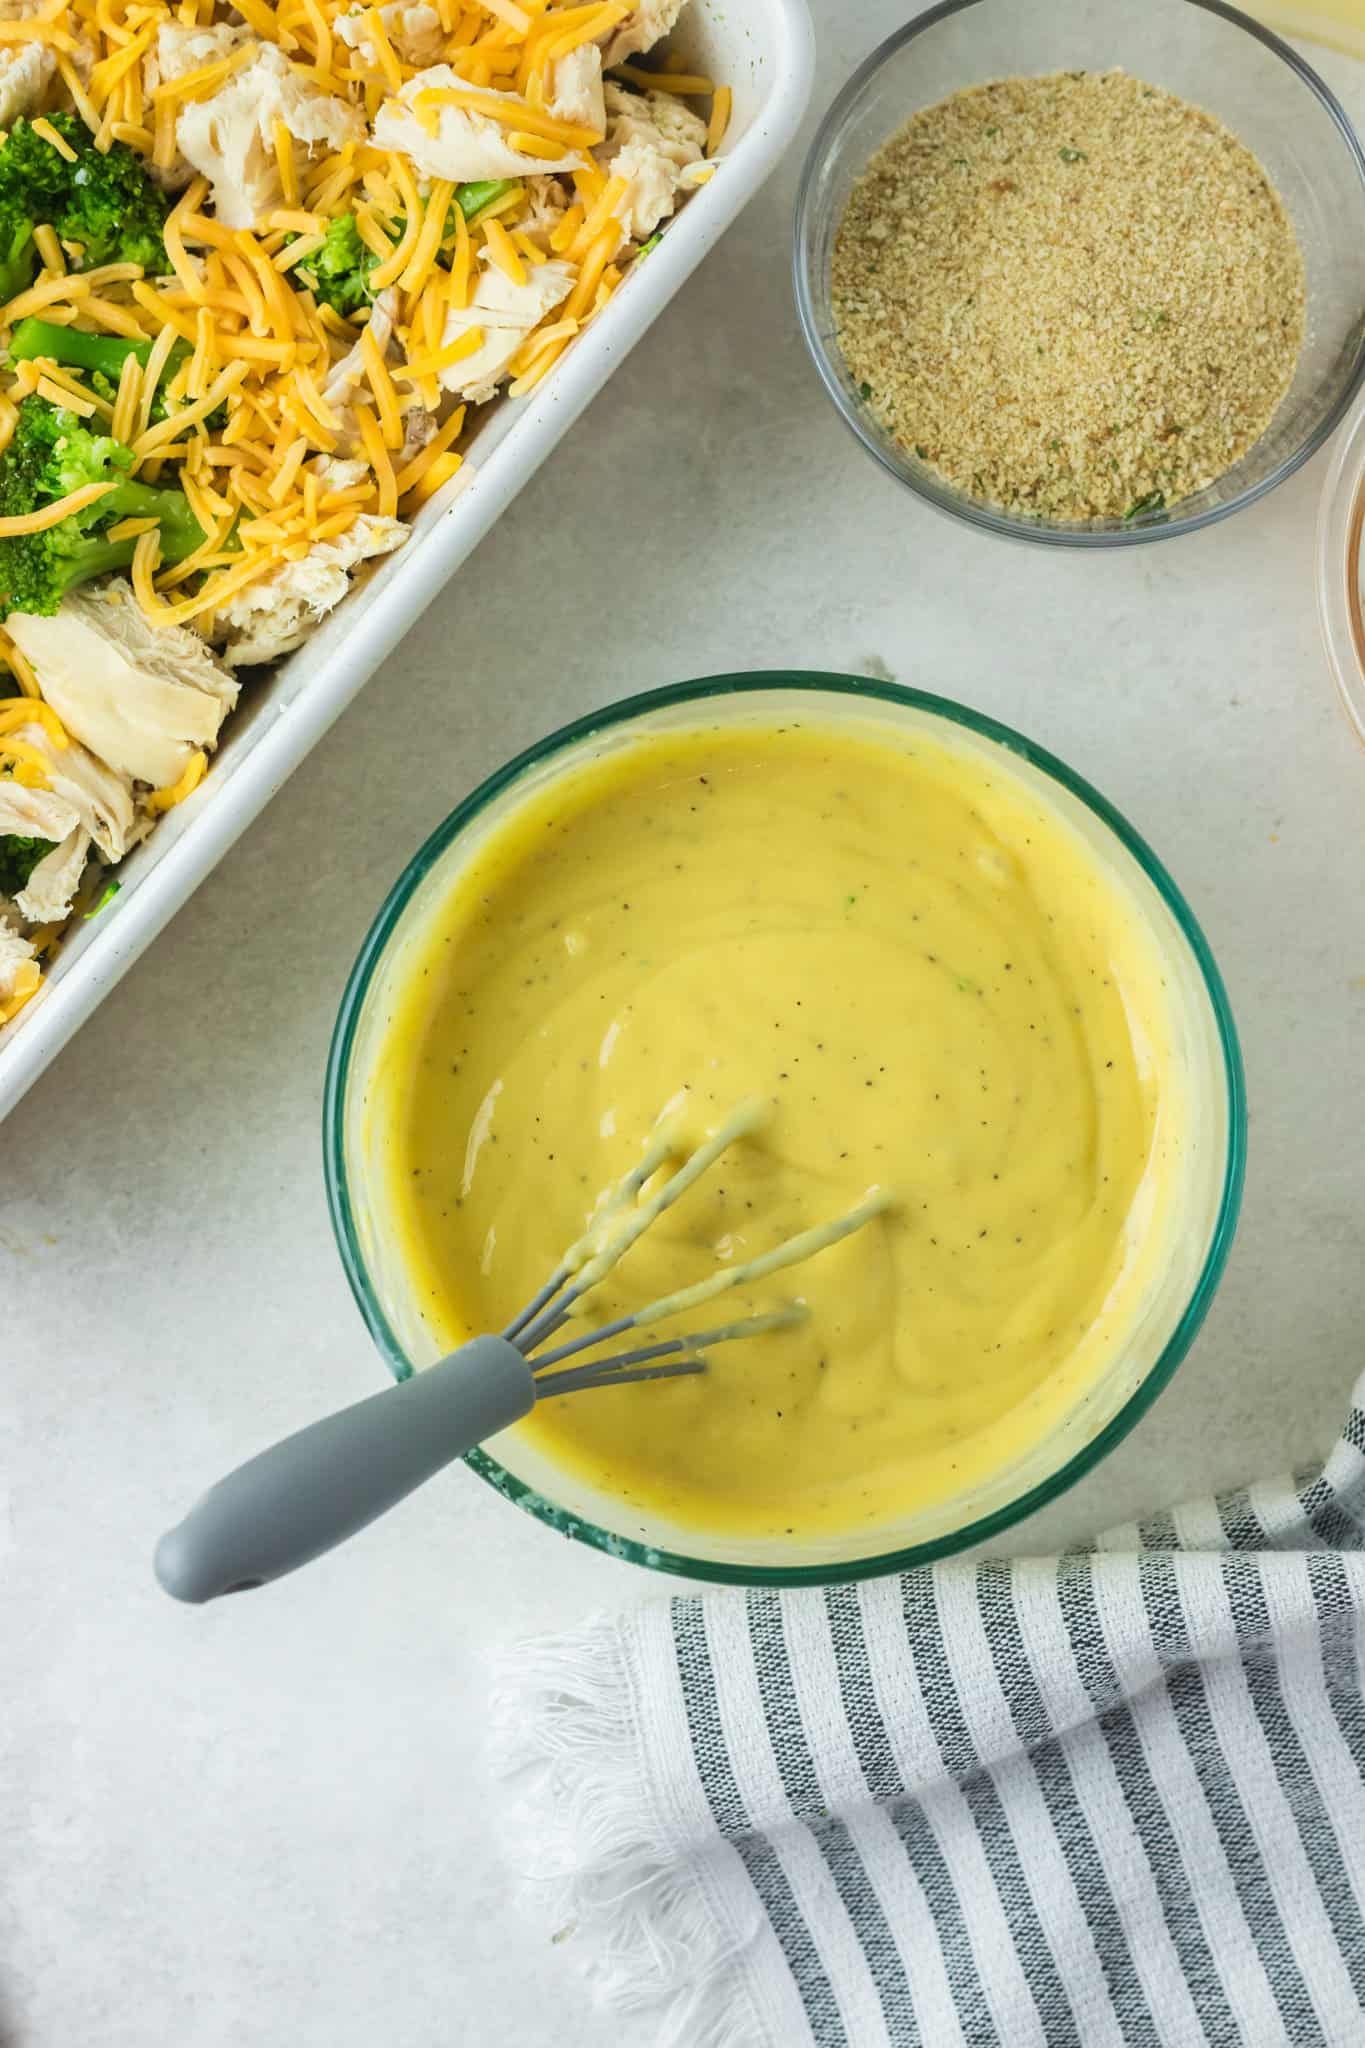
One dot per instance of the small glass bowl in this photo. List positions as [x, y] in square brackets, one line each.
[1341, 613]
[358, 1130]
[1205, 53]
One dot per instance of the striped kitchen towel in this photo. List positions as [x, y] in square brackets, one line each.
[1110, 1798]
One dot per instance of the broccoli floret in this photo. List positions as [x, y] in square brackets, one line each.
[19, 856]
[104, 200]
[339, 272]
[50, 454]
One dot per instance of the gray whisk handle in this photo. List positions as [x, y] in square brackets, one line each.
[307, 1494]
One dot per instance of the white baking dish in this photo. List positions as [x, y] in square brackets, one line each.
[764, 50]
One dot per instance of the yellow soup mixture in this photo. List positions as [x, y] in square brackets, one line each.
[941, 992]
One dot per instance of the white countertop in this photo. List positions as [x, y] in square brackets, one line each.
[261, 1823]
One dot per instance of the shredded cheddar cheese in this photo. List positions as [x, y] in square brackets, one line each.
[53, 515]
[20, 711]
[27, 979]
[59, 142]
[720, 119]
[686, 85]
[166, 799]
[503, 251]
[283, 407]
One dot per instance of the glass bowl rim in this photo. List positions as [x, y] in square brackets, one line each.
[982, 516]
[1341, 605]
[700, 691]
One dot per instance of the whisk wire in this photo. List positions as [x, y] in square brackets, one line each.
[585, 1377]
[791, 1252]
[593, 1255]
[605, 1251]
[614, 1228]
[547, 1322]
[537, 1302]
[749, 1326]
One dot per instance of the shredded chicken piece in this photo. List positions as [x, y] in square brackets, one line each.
[34, 813]
[272, 617]
[642, 28]
[576, 89]
[345, 377]
[47, 895]
[90, 795]
[339, 472]
[547, 202]
[142, 698]
[419, 427]
[26, 71]
[42, 814]
[506, 313]
[652, 140]
[415, 32]
[466, 145]
[180, 50]
[230, 137]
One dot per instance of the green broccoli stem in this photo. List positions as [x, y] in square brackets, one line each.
[106, 353]
[94, 558]
[18, 260]
[181, 532]
[476, 197]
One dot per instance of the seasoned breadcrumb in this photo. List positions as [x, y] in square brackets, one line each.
[1075, 296]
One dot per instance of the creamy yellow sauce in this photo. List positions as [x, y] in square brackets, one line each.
[940, 991]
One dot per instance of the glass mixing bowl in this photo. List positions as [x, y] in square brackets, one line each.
[1202, 51]
[357, 1132]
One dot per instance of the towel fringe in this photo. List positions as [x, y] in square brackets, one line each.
[635, 1917]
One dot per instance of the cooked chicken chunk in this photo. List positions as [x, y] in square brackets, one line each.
[15, 954]
[142, 698]
[339, 472]
[177, 50]
[180, 50]
[85, 802]
[231, 136]
[576, 89]
[81, 791]
[466, 145]
[42, 814]
[547, 202]
[345, 378]
[26, 70]
[505, 313]
[652, 140]
[271, 617]
[419, 427]
[34, 813]
[46, 896]
[642, 29]
[414, 31]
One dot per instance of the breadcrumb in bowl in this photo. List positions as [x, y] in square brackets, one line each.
[1257, 368]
